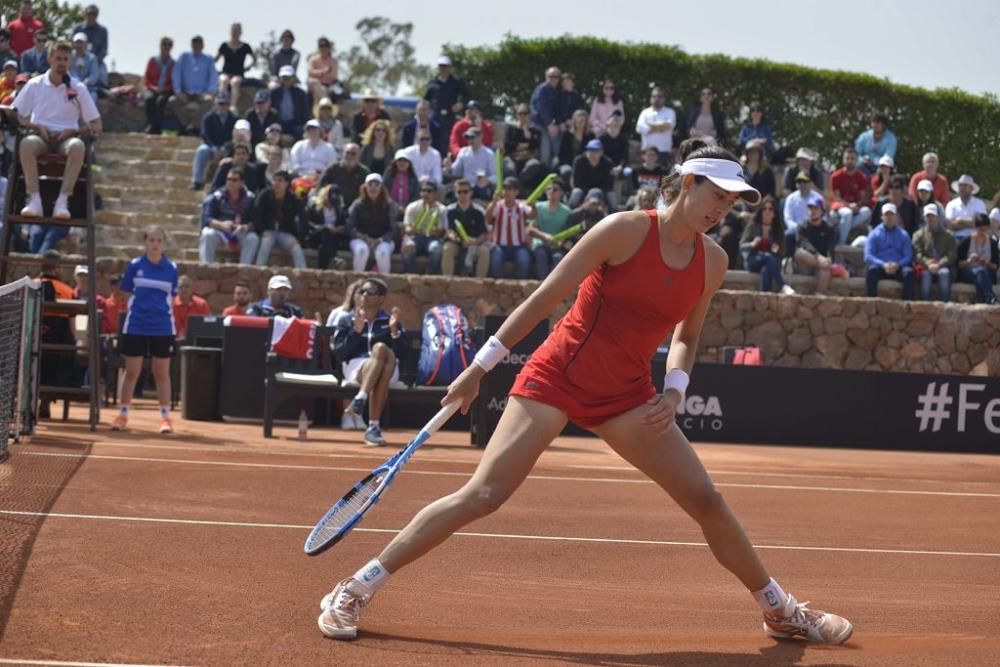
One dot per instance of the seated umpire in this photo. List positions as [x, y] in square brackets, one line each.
[368, 342]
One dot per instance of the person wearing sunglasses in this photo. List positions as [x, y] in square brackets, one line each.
[605, 103]
[6, 53]
[424, 225]
[467, 232]
[35, 60]
[371, 223]
[655, 126]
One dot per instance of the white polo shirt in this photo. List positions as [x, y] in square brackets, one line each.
[49, 106]
[956, 209]
[427, 164]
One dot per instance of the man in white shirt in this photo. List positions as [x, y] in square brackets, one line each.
[656, 126]
[962, 210]
[472, 158]
[51, 107]
[312, 155]
[426, 159]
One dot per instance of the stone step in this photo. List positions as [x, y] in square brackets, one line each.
[134, 198]
[117, 139]
[110, 235]
[134, 204]
[146, 167]
[138, 220]
[118, 153]
[163, 182]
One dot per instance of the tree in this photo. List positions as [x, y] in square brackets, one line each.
[384, 59]
[58, 17]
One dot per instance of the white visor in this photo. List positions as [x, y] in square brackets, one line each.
[727, 174]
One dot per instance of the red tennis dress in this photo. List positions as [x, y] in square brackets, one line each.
[595, 364]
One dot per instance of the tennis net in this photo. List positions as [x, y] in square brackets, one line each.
[20, 324]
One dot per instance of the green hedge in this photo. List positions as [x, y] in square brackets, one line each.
[821, 109]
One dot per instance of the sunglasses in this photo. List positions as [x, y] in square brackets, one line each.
[463, 192]
[370, 292]
[522, 113]
[423, 139]
[379, 129]
[769, 208]
[609, 87]
[233, 179]
[374, 184]
[426, 190]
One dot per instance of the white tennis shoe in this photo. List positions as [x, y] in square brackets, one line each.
[796, 619]
[342, 608]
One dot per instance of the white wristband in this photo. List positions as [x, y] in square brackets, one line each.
[678, 380]
[491, 354]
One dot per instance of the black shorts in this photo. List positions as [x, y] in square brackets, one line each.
[135, 345]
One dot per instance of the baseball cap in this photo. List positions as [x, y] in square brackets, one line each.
[80, 37]
[81, 270]
[511, 182]
[472, 104]
[925, 185]
[982, 220]
[274, 127]
[480, 172]
[262, 96]
[10, 63]
[242, 124]
[444, 61]
[401, 154]
[594, 145]
[889, 207]
[595, 194]
[802, 176]
[286, 70]
[886, 161]
[222, 98]
[816, 200]
[312, 122]
[373, 177]
[995, 215]
[279, 281]
[930, 209]
[472, 132]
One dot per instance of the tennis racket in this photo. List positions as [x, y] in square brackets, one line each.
[349, 510]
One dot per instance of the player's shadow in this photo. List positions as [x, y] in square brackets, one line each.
[777, 654]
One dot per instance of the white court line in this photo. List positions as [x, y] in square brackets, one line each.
[606, 480]
[504, 536]
[61, 663]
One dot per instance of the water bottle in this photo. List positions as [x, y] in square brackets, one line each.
[303, 425]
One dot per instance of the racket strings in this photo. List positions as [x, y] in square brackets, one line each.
[354, 504]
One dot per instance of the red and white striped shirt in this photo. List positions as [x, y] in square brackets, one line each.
[509, 224]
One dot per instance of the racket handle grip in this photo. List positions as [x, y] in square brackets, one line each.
[443, 415]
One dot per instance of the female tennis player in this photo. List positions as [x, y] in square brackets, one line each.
[652, 271]
[149, 327]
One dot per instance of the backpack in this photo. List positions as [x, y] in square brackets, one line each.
[446, 347]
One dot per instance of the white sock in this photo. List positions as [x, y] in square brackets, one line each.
[164, 412]
[373, 422]
[373, 575]
[770, 598]
[363, 395]
[123, 410]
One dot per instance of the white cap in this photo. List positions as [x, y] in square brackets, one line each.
[373, 177]
[80, 37]
[995, 215]
[444, 61]
[888, 207]
[279, 281]
[930, 209]
[81, 270]
[314, 123]
[242, 124]
[886, 161]
[726, 174]
[925, 185]
[286, 70]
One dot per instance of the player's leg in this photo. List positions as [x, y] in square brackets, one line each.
[380, 376]
[133, 351]
[161, 372]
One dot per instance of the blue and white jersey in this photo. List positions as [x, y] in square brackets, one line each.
[150, 308]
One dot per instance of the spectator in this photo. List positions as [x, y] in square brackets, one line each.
[805, 161]
[763, 241]
[705, 121]
[401, 181]
[978, 257]
[551, 218]
[797, 203]
[446, 94]
[241, 134]
[242, 295]
[593, 170]
[279, 290]
[881, 180]
[473, 118]
[274, 160]
[472, 159]
[423, 120]
[195, 81]
[279, 218]
[650, 173]
[234, 64]
[606, 102]
[889, 254]
[6, 53]
[261, 117]
[24, 28]
[370, 220]
[369, 342]
[329, 223]
[616, 147]
[925, 196]
[81, 281]
[507, 217]
[875, 142]
[569, 100]
[226, 218]
[84, 65]
[35, 60]
[117, 303]
[187, 303]
[424, 225]
[7, 80]
[814, 242]
[348, 174]
[286, 56]
[545, 115]
[424, 157]
[352, 299]
[253, 173]
[97, 40]
[159, 86]
[482, 189]
[655, 126]
[961, 211]
[573, 143]
[848, 193]
[377, 149]
[470, 218]
[994, 209]
[332, 130]
[589, 213]
[907, 215]
[272, 140]
[930, 173]
[645, 199]
[322, 69]
[522, 143]
[935, 254]
[758, 172]
[312, 156]
[291, 103]
[216, 128]
[371, 112]
[756, 127]
[55, 125]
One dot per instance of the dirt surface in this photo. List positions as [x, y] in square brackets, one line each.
[136, 548]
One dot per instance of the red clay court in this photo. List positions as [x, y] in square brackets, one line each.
[132, 548]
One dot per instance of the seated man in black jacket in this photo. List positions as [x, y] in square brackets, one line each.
[593, 170]
[279, 218]
[279, 288]
[368, 341]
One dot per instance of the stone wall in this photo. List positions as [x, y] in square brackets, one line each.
[806, 331]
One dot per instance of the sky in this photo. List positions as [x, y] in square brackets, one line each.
[925, 43]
